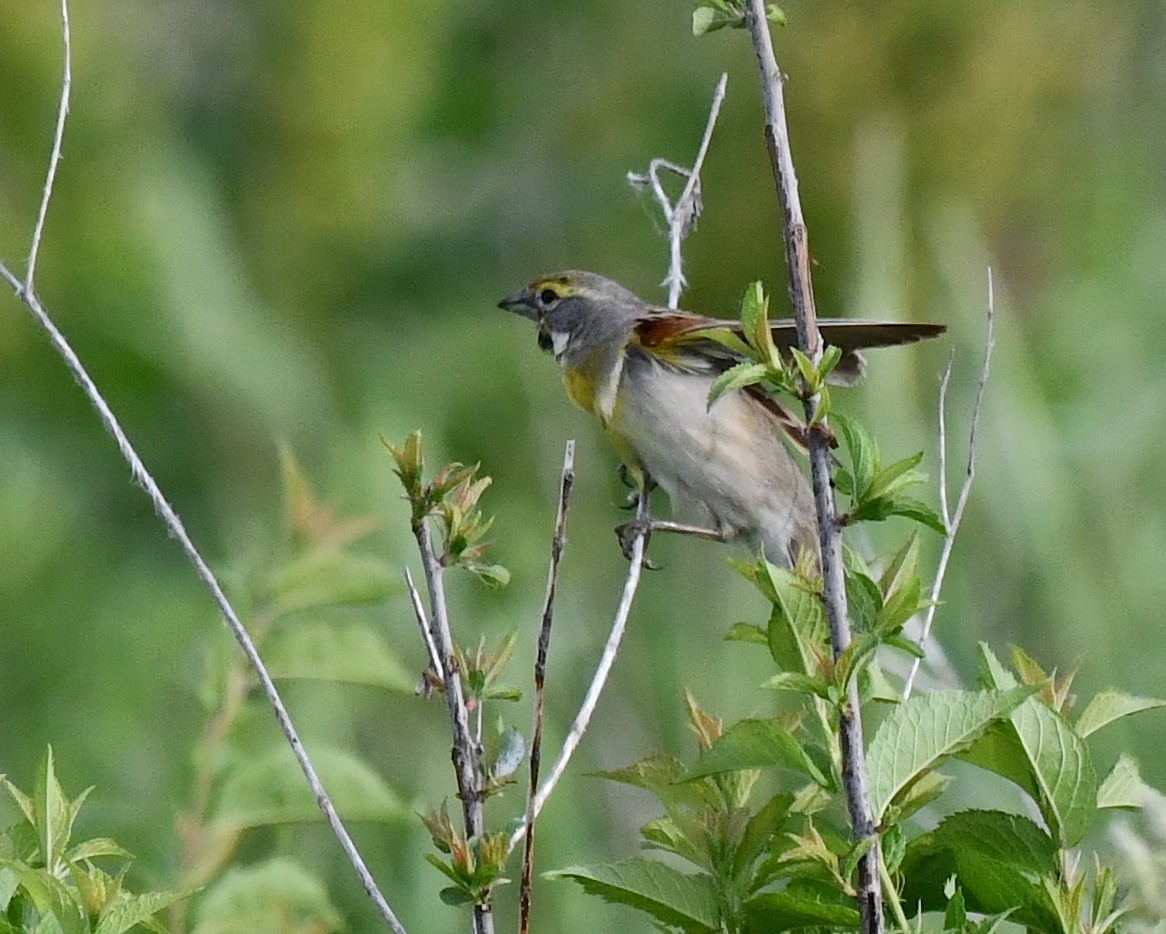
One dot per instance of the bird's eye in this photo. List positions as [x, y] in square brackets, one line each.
[548, 296]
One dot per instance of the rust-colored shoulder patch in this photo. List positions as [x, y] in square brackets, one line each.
[658, 329]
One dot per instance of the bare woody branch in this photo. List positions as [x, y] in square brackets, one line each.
[26, 292]
[558, 544]
[952, 520]
[854, 772]
[637, 543]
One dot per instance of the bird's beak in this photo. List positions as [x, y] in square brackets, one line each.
[522, 303]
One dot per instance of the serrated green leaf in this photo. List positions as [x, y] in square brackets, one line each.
[925, 730]
[1111, 705]
[1038, 751]
[803, 903]
[864, 453]
[798, 631]
[129, 911]
[736, 377]
[729, 338]
[799, 683]
[1123, 786]
[684, 900]
[753, 744]
[999, 859]
[492, 575]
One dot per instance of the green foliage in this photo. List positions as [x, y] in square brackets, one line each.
[274, 897]
[48, 883]
[451, 497]
[711, 15]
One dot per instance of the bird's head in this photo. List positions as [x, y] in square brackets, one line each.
[576, 312]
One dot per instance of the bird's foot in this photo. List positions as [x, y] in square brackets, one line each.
[637, 528]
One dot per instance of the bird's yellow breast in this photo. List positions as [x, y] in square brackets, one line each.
[580, 388]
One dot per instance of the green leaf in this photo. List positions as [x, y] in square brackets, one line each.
[1123, 786]
[864, 453]
[775, 14]
[919, 511]
[760, 830]
[329, 576]
[248, 900]
[804, 903]
[511, 753]
[746, 632]
[54, 812]
[492, 575]
[684, 900]
[753, 744]
[903, 567]
[1040, 752]
[798, 631]
[737, 377]
[729, 338]
[131, 910]
[900, 475]
[922, 732]
[271, 789]
[340, 652]
[1000, 860]
[1112, 705]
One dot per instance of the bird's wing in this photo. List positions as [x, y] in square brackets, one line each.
[681, 339]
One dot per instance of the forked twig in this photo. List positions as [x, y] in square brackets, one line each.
[951, 521]
[681, 216]
[558, 543]
[26, 292]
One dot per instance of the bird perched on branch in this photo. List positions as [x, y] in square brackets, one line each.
[646, 372]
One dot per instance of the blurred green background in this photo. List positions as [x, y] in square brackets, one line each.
[291, 222]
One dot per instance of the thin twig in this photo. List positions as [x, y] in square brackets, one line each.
[637, 545]
[55, 158]
[951, 521]
[465, 752]
[681, 216]
[142, 477]
[854, 771]
[558, 543]
[423, 623]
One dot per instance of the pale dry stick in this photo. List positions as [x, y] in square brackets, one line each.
[141, 476]
[681, 216]
[465, 752]
[638, 545]
[854, 770]
[558, 544]
[55, 158]
[423, 621]
[951, 521]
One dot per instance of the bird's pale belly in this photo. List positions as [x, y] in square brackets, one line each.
[728, 465]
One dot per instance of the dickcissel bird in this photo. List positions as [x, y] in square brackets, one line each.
[646, 371]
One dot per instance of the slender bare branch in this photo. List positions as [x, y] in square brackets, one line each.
[681, 216]
[423, 622]
[465, 752]
[951, 520]
[854, 771]
[142, 477]
[637, 545]
[55, 157]
[558, 543]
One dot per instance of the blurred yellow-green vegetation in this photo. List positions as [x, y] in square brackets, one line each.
[290, 223]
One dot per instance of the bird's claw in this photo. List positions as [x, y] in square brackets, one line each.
[628, 532]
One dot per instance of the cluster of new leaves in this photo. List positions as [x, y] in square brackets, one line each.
[475, 866]
[711, 15]
[48, 883]
[452, 497]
